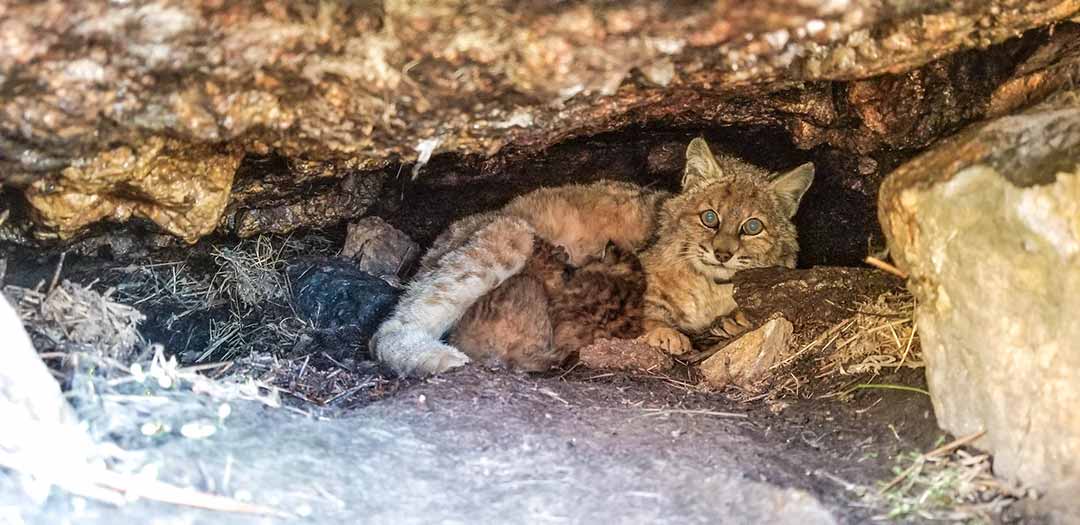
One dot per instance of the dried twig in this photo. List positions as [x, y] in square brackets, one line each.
[880, 386]
[56, 274]
[110, 487]
[650, 412]
[882, 265]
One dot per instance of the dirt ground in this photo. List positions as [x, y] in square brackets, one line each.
[489, 446]
[815, 441]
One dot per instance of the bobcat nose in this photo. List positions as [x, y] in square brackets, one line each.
[722, 255]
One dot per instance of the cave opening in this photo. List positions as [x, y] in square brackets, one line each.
[837, 220]
[220, 325]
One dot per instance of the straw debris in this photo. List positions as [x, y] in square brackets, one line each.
[249, 274]
[73, 314]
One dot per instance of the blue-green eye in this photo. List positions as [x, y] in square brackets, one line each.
[710, 219]
[752, 227]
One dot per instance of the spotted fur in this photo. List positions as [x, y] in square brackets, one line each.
[540, 317]
[689, 267]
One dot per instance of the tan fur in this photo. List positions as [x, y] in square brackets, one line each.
[686, 283]
[510, 327]
[478, 253]
[584, 218]
[687, 280]
[409, 340]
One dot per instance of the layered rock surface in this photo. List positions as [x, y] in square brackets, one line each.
[343, 91]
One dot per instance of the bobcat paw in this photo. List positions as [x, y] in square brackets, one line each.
[438, 359]
[414, 353]
[732, 325]
[669, 340]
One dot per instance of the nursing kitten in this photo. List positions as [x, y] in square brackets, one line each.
[540, 317]
[479, 253]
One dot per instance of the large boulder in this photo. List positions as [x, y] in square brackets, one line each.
[988, 226]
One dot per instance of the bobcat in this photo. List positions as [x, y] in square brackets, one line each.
[729, 216]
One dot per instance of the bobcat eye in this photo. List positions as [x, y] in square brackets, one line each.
[710, 219]
[752, 227]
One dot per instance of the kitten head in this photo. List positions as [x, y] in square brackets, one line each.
[732, 215]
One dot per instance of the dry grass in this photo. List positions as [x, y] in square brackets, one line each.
[166, 282]
[880, 336]
[251, 280]
[241, 294]
[119, 388]
[250, 323]
[318, 379]
[249, 274]
[70, 313]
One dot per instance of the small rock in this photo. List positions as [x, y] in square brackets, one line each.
[777, 406]
[198, 430]
[746, 359]
[659, 72]
[624, 354]
[379, 248]
[336, 296]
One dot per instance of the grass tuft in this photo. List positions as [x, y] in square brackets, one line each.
[949, 483]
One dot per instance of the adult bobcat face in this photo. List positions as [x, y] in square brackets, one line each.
[732, 215]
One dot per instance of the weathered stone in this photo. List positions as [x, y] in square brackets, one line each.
[624, 354]
[183, 188]
[988, 227]
[281, 199]
[364, 85]
[379, 248]
[340, 301]
[745, 360]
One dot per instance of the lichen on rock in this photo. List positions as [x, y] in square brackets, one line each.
[362, 84]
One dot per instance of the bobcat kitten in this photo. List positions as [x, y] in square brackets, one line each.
[540, 317]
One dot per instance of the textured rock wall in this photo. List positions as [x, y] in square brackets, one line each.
[87, 88]
[988, 225]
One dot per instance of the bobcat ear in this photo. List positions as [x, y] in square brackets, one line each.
[700, 164]
[790, 187]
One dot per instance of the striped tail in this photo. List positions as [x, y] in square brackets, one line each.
[409, 341]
